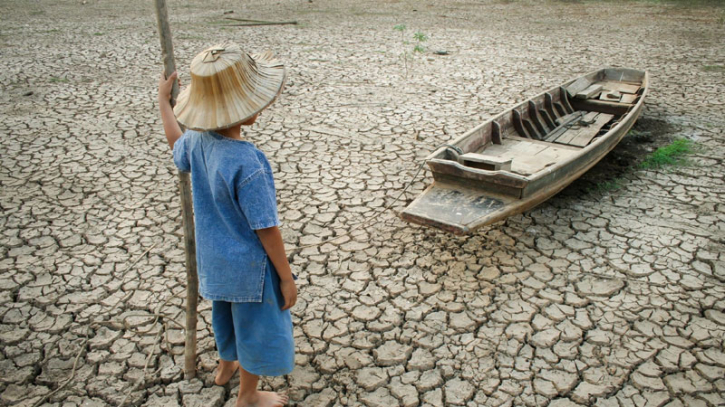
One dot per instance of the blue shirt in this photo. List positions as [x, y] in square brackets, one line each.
[234, 195]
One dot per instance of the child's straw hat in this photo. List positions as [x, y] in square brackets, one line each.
[228, 87]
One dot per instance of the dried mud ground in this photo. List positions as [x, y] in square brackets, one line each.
[597, 297]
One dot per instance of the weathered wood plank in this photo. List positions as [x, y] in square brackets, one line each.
[549, 121]
[569, 117]
[451, 206]
[575, 127]
[578, 85]
[563, 125]
[486, 162]
[531, 129]
[582, 136]
[619, 87]
[534, 116]
[529, 156]
[446, 169]
[543, 143]
[519, 124]
[589, 92]
[549, 106]
[632, 76]
[495, 133]
[610, 96]
[601, 106]
[628, 98]
[586, 134]
[564, 95]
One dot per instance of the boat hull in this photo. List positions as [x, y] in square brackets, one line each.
[461, 204]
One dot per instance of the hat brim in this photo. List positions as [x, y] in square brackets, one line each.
[198, 111]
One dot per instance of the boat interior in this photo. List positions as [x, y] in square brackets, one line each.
[550, 127]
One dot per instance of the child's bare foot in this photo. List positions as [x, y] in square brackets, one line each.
[225, 371]
[262, 399]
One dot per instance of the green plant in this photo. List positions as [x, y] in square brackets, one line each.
[401, 28]
[420, 38]
[671, 154]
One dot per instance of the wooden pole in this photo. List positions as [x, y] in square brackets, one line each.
[187, 209]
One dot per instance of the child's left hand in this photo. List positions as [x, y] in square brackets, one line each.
[289, 293]
[165, 86]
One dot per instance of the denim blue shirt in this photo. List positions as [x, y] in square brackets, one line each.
[234, 195]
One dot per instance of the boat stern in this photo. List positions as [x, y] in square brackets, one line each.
[456, 209]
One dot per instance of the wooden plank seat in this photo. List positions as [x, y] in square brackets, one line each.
[486, 162]
[619, 87]
[591, 91]
[527, 156]
[629, 98]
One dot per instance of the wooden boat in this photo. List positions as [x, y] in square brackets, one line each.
[529, 153]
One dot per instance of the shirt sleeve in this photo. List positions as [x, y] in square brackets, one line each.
[256, 197]
[181, 153]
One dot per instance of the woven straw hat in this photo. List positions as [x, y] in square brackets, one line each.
[228, 87]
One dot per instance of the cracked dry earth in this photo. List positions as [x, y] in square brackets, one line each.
[612, 298]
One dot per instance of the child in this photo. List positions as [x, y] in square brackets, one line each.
[243, 268]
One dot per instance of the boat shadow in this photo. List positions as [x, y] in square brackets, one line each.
[610, 173]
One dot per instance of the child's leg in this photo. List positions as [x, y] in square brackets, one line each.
[226, 342]
[249, 395]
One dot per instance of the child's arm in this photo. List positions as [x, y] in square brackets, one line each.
[171, 126]
[274, 246]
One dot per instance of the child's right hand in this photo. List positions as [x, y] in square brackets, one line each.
[165, 86]
[289, 292]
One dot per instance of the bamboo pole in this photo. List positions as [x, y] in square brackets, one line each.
[187, 210]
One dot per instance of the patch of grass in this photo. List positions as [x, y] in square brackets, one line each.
[55, 79]
[98, 34]
[671, 154]
[713, 68]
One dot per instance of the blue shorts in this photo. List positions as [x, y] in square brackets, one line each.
[257, 334]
